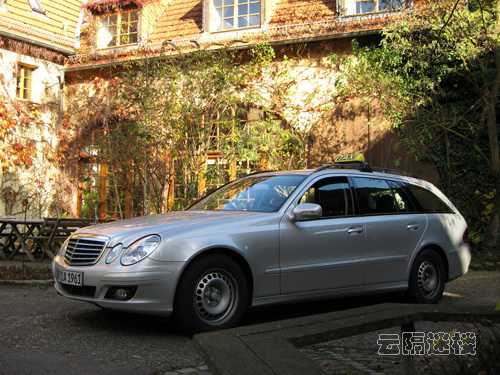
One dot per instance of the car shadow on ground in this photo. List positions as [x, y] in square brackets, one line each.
[140, 324]
[266, 314]
[120, 321]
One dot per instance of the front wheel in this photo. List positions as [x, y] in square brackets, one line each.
[213, 294]
[427, 278]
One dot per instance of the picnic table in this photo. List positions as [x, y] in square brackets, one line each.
[35, 238]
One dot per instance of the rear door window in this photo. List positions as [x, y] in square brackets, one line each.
[403, 200]
[427, 201]
[375, 197]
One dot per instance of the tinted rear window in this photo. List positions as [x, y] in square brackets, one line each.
[427, 201]
[375, 197]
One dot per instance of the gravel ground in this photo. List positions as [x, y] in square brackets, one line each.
[43, 333]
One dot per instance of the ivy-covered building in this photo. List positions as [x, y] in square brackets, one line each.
[36, 37]
[296, 92]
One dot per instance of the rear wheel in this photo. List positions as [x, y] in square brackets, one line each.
[213, 294]
[427, 278]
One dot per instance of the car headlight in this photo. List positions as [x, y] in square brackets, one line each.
[63, 248]
[114, 253]
[140, 249]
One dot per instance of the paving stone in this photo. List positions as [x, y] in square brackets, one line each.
[358, 354]
[188, 370]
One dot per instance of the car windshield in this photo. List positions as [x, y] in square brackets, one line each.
[256, 194]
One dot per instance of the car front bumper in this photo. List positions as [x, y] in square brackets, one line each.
[154, 283]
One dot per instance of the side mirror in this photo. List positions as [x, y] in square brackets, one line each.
[306, 211]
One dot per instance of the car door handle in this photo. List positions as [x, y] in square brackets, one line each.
[355, 230]
[412, 226]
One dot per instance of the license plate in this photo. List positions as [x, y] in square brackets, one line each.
[70, 278]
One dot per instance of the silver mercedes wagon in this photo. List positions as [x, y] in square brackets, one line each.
[272, 238]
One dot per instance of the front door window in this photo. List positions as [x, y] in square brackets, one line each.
[332, 194]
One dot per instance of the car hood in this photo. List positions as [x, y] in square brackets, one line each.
[165, 224]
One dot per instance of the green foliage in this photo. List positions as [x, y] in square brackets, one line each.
[162, 115]
[430, 73]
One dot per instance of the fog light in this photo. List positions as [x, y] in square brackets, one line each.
[121, 293]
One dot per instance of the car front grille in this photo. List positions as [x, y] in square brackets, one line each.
[84, 251]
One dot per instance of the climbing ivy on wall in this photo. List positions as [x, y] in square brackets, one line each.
[159, 118]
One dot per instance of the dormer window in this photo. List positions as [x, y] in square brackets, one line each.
[236, 14]
[118, 29]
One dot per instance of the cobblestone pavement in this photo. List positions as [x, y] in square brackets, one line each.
[358, 355]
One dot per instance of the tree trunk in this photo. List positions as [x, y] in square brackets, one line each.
[129, 192]
[494, 227]
[169, 189]
[233, 170]
[202, 175]
[103, 191]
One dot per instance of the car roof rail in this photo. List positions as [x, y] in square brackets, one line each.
[392, 171]
[361, 166]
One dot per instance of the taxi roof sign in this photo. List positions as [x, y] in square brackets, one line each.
[350, 158]
[349, 161]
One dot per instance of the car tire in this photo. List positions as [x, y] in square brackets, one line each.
[427, 278]
[213, 293]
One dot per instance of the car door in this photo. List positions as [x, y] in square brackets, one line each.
[393, 229]
[323, 253]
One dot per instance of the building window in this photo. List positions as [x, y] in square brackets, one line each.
[237, 14]
[36, 6]
[356, 7]
[118, 29]
[24, 82]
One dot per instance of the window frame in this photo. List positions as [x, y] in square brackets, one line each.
[37, 6]
[118, 28]
[21, 70]
[213, 10]
[344, 10]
